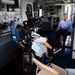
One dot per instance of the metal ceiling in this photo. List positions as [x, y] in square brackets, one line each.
[55, 1]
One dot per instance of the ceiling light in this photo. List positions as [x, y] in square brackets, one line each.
[8, 2]
[68, 1]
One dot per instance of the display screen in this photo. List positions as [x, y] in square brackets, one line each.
[14, 38]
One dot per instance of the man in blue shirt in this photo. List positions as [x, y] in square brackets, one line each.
[64, 28]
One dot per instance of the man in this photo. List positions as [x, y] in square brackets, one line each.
[64, 28]
[40, 45]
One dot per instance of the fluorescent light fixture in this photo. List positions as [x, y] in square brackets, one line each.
[40, 12]
[68, 1]
[17, 9]
[10, 9]
[8, 2]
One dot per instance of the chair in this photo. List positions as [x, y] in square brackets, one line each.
[52, 70]
[70, 71]
[44, 70]
[65, 42]
[60, 70]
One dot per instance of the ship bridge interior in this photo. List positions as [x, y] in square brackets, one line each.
[37, 37]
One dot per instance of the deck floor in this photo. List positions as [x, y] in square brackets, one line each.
[64, 61]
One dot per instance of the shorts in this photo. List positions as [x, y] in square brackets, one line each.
[42, 50]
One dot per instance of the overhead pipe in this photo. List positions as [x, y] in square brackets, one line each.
[59, 4]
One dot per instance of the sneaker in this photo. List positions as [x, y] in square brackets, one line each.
[49, 59]
[55, 50]
[48, 64]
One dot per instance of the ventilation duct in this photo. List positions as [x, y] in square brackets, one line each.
[8, 2]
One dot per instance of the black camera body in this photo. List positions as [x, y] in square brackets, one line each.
[27, 63]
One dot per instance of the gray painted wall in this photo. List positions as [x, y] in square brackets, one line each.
[7, 47]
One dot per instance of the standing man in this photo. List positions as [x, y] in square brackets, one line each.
[64, 28]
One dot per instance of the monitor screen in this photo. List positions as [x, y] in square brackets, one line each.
[14, 38]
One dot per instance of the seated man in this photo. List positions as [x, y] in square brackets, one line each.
[40, 45]
[64, 28]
